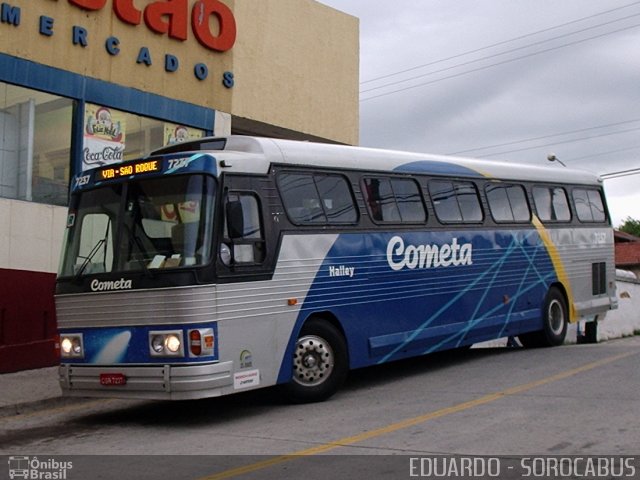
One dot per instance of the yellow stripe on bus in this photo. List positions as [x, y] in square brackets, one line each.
[558, 266]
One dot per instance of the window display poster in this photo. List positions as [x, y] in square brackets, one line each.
[104, 136]
[174, 133]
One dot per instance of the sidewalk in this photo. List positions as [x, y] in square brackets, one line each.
[29, 390]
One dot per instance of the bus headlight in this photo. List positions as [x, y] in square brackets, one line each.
[166, 344]
[173, 343]
[157, 343]
[71, 346]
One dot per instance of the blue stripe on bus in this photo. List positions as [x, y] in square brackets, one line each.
[388, 315]
[130, 345]
[437, 168]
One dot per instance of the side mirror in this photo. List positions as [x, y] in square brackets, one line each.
[235, 220]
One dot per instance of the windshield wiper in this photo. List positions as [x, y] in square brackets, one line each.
[88, 258]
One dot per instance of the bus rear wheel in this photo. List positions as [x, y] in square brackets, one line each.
[555, 319]
[320, 363]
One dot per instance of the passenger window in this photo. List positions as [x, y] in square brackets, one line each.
[551, 204]
[300, 198]
[379, 198]
[589, 205]
[508, 203]
[317, 198]
[407, 194]
[455, 201]
[337, 201]
[394, 200]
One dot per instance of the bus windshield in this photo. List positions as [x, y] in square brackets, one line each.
[151, 224]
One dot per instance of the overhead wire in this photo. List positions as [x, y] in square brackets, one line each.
[497, 44]
[602, 154]
[485, 67]
[620, 174]
[542, 137]
[564, 142]
[495, 64]
[506, 52]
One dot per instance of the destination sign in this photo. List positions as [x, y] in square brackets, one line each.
[114, 172]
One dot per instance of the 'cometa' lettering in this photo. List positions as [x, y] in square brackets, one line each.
[400, 256]
[122, 284]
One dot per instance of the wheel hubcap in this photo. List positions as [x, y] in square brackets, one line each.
[312, 361]
[555, 317]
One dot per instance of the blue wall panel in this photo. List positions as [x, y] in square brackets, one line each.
[72, 85]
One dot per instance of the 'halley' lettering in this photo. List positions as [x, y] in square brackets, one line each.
[400, 256]
[171, 17]
[342, 271]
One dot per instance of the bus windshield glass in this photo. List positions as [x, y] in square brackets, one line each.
[151, 224]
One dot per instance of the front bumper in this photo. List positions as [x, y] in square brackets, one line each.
[165, 382]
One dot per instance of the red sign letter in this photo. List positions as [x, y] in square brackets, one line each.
[126, 12]
[176, 10]
[89, 4]
[202, 10]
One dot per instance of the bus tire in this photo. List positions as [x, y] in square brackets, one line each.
[555, 318]
[320, 363]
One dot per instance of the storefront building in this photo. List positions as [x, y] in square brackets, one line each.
[89, 82]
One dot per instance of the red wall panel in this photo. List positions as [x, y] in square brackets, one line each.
[27, 320]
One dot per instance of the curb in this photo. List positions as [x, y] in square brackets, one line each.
[24, 408]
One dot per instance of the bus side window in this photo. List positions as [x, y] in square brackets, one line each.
[455, 201]
[317, 198]
[243, 228]
[380, 199]
[589, 206]
[395, 200]
[508, 203]
[551, 204]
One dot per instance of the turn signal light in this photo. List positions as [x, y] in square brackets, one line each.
[195, 340]
[201, 342]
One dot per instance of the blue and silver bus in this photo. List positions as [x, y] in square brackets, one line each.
[229, 264]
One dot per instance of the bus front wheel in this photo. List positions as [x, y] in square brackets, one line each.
[555, 319]
[320, 363]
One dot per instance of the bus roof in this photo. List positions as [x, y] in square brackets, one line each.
[257, 154]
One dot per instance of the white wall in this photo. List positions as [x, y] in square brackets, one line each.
[30, 235]
[624, 321]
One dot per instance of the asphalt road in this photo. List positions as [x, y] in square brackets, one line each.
[575, 400]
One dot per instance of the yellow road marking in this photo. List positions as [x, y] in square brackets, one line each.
[410, 422]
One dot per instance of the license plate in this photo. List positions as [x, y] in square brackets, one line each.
[112, 379]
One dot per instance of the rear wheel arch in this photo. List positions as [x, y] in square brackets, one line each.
[555, 320]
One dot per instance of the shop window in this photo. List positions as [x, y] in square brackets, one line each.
[35, 140]
[112, 136]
